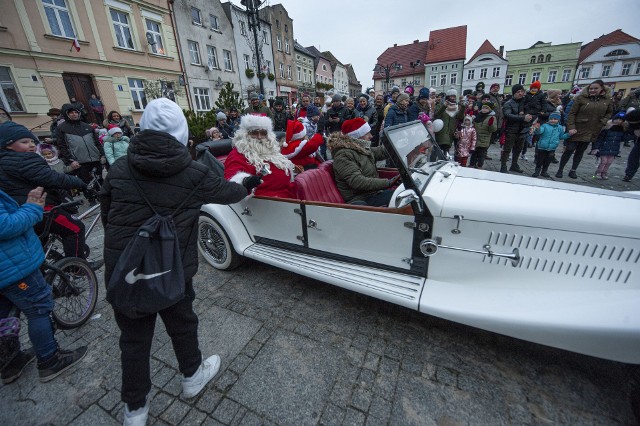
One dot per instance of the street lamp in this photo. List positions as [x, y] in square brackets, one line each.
[254, 24]
[413, 66]
[386, 69]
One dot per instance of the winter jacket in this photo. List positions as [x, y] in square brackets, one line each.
[123, 124]
[550, 136]
[20, 172]
[445, 136]
[278, 183]
[115, 148]
[369, 115]
[548, 108]
[484, 128]
[226, 131]
[77, 141]
[331, 127]
[354, 167]
[280, 121]
[261, 110]
[415, 109]
[20, 249]
[497, 108]
[467, 141]
[395, 116]
[609, 140]
[588, 114]
[302, 152]
[630, 101]
[350, 114]
[165, 172]
[514, 120]
[534, 103]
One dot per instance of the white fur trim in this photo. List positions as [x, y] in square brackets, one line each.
[358, 133]
[239, 177]
[298, 136]
[297, 150]
[250, 122]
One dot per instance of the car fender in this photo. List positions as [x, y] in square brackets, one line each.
[231, 223]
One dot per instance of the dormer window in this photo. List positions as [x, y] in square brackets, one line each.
[617, 52]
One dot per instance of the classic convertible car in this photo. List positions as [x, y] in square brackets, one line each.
[544, 261]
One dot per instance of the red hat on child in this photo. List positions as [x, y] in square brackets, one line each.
[535, 85]
[295, 132]
[356, 128]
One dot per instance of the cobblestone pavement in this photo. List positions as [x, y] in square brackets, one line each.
[299, 352]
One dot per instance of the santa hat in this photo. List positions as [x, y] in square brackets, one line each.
[295, 132]
[355, 128]
[535, 85]
[253, 122]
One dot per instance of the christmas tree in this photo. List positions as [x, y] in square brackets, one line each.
[228, 99]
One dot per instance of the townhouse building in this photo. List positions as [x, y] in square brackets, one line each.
[305, 71]
[282, 42]
[355, 88]
[487, 65]
[445, 58]
[340, 78]
[402, 65]
[323, 71]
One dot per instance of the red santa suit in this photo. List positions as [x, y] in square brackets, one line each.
[298, 149]
[275, 184]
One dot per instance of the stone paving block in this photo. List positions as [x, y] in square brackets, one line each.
[240, 363]
[267, 386]
[251, 348]
[332, 416]
[263, 335]
[110, 400]
[380, 407]
[411, 365]
[175, 413]
[208, 401]
[242, 411]
[251, 419]
[90, 396]
[353, 418]
[377, 346]
[161, 377]
[371, 361]
[361, 399]
[160, 402]
[447, 376]
[360, 341]
[174, 386]
[226, 411]
[210, 421]
[355, 355]
[226, 380]
[366, 379]
[94, 416]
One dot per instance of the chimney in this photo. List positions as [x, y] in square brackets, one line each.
[501, 50]
[415, 41]
[395, 44]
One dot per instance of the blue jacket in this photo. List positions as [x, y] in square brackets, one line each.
[550, 136]
[20, 249]
[609, 140]
[395, 116]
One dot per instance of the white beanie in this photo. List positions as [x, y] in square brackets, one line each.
[221, 116]
[114, 130]
[164, 115]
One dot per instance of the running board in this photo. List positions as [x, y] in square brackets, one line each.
[394, 287]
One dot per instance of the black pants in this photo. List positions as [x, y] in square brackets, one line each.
[84, 173]
[575, 148]
[513, 144]
[478, 156]
[136, 337]
[543, 159]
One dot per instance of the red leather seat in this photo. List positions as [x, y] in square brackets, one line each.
[318, 185]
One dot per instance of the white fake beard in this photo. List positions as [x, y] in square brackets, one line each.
[261, 151]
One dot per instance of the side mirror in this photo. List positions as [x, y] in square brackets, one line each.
[406, 197]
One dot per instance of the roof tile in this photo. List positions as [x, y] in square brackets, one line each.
[484, 49]
[449, 44]
[404, 55]
[615, 37]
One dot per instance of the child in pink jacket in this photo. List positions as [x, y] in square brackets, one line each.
[466, 140]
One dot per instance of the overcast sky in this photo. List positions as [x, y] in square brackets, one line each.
[358, 31]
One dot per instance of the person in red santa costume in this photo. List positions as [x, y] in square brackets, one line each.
[300, 150]
[257, 152]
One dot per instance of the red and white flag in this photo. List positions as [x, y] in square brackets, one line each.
[75, 44]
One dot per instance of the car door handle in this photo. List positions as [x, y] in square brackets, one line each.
[313, 225]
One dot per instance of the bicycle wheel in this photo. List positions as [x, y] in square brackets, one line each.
[75, 292]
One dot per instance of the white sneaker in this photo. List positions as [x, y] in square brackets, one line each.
[136, 417]
[191, 386]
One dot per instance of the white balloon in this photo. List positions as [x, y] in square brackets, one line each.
[437, 125]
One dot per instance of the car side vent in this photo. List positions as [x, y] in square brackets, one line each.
[581, 259]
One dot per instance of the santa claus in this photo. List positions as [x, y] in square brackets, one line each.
[300, 150]
[257, 152]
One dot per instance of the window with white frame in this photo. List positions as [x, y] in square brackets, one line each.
[434, 80]
[496, 72]
[59, 18]
[247, 62]
[228, 62]
[155, 30]
[9, 96]
[243, 28]
[508, 80]
[471, 74]
[213, 21]
[483, 72]
[265, 37]
[606, 70]
[443, 79]
[454, 78]
[281, 68]
[626, 68]
[566, 75]
[289, 74]
[279, 42]
[286, 45]
[454, 66]
[417, 81]
[300, 74]
[212, 57]
[535, 76]
[136, 87]
[268, 66]
[585, 72]
[201, 96]
[433, 69]
[196, 18]
[552, 76]
[194, 52]
[638, 68]
[522, 78]
[122, 29]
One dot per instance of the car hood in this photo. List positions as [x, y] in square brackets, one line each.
[485, 196]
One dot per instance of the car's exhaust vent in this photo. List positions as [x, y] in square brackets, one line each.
[581, 259]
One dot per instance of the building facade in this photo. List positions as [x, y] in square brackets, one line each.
[246, 61]
[305, 71]
[209, 51]
[355, 88]
[282, 42]
[323, 72]
[125, 48]
[340, 78]
[404, 65]
[445, 59]
[553, 66]
[487, 66]
[613, 58]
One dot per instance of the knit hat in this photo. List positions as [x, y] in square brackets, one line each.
[494, 85]
[295, 132]
[480, 85]
[452, 92]
[633, 118]
[535, 85]
[516, 88]
[409, 90]
[489, 104]
[619, 116]
[312, 111]
[253, 96]
[401, 97]
[555, 115]
[164, 115]
[432, 90]
[53, 112]
[423, 93]
[11, 132]
[221, 116]
[395, 89]
[278, 102]
[253, 122]
[114, 130]
[356, 127]
[336, 98]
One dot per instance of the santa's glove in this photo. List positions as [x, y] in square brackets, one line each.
[251, 182]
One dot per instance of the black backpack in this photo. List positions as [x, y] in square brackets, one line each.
[149, 276]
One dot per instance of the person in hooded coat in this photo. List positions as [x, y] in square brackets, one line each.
[159, 161]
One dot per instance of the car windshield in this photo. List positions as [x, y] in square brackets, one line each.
[415, 150]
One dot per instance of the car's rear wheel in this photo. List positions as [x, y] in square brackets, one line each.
[215, 245]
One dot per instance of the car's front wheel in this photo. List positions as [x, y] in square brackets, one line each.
[215, 245]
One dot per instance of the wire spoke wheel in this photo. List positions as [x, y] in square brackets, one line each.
[75, 292]
[215, 246]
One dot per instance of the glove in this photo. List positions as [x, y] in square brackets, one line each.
[251, 182]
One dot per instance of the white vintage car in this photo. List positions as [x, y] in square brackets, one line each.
[538, 260]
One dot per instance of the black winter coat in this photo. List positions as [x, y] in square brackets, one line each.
[166, 173]
[20, 172]
[515, 121]
[77, 141]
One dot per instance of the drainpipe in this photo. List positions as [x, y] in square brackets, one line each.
[180, 58]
